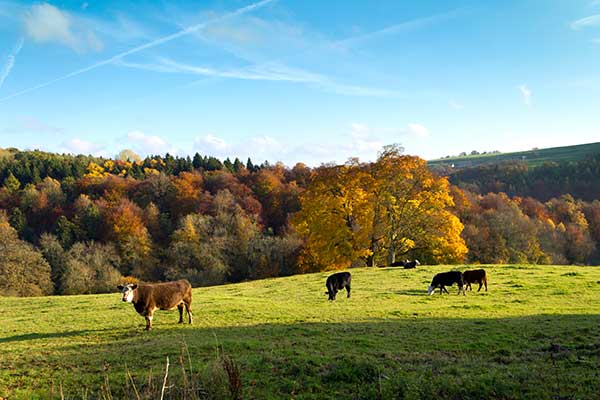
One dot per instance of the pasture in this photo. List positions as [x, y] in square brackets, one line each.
[533, 158]
[535, 334]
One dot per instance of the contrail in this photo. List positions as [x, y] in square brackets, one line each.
[10, 62]
[154, 43]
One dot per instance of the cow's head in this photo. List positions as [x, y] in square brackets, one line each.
[331, 295]
[127, 291]
[430, 289]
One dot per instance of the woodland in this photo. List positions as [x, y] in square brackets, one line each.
[82, 224]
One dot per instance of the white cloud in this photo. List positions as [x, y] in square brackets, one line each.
[417, 129]
[255, 147]
[526, 93]
[264, 145]
[10, 62]
[81, 146]
[211, 144]
[363, 141]
[592, 20]
[360, 140]
[149, 144]
[46, 23]
[456, 105]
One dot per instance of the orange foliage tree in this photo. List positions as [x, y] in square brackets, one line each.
[357, 214]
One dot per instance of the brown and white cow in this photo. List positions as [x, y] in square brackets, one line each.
[148, 298]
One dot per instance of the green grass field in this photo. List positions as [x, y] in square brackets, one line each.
[532, 157]
[535, 334]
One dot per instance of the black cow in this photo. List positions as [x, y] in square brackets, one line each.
[398, 264]
[411, 264]
[475, 276]
[337, 282]
[444, 279]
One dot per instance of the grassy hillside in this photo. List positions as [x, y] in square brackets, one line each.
[533, 335]
[532, 157]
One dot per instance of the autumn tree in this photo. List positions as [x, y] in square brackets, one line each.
[90, 268]
[56, 256]
[372, 213]
[336, 217]
[195, 253]
[412, 211]
[23, 270]
[11, 184]
[189, 195]
[208, 249]
[126, 228]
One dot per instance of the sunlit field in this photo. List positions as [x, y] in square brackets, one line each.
[535, 334]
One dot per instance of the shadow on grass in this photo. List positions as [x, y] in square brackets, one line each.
[49, 335]
[412, 292]
[551, 356]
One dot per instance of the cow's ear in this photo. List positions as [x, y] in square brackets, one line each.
[120, 287]
[134, 286]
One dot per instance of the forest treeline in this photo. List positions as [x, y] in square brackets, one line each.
[81, 224]
[581, 179]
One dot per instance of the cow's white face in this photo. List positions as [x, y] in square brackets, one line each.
[127, 292]
[430, 290]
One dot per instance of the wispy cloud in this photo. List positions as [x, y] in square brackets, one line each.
[405, 26]
[268, 72]
[47, 23]
[265, 72]
[456, 105]
[267, 43]
[526, 93]
[592, 20]
[10, 62]
[165, 39]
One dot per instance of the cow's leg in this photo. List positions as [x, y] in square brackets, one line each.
[149, 317]
[445, 290]
[188, 308]
[462, 288]
[480, 285]
[485, 282]
[180, 308]
[348, 290]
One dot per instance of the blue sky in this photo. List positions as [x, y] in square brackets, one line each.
[310, 81]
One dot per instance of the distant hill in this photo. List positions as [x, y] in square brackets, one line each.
[533, 158]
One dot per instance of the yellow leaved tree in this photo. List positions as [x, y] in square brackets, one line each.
[368, 214]
[335, 218]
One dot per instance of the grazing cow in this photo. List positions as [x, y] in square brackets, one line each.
[476, 275]
[444, 279]
[398, 264]
[394, 264]
[411, 264]
[159, 296]
[337, 282]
